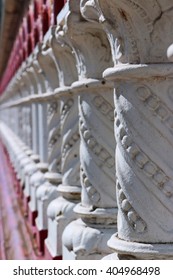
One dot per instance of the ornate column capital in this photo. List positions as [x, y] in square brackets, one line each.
[139, 31]
[89, 43]
[64, 58]
[46, 61]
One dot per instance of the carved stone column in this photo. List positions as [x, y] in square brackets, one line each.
[48, 190]
[60, 211]
[140, 33]
[97, 210]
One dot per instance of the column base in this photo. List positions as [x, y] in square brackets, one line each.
[140, 251]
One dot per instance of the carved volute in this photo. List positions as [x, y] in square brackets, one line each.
[48, 65]
[89, 43]
[65, 60]
[139, 31]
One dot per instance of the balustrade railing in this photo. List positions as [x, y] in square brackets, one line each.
[73, 93]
